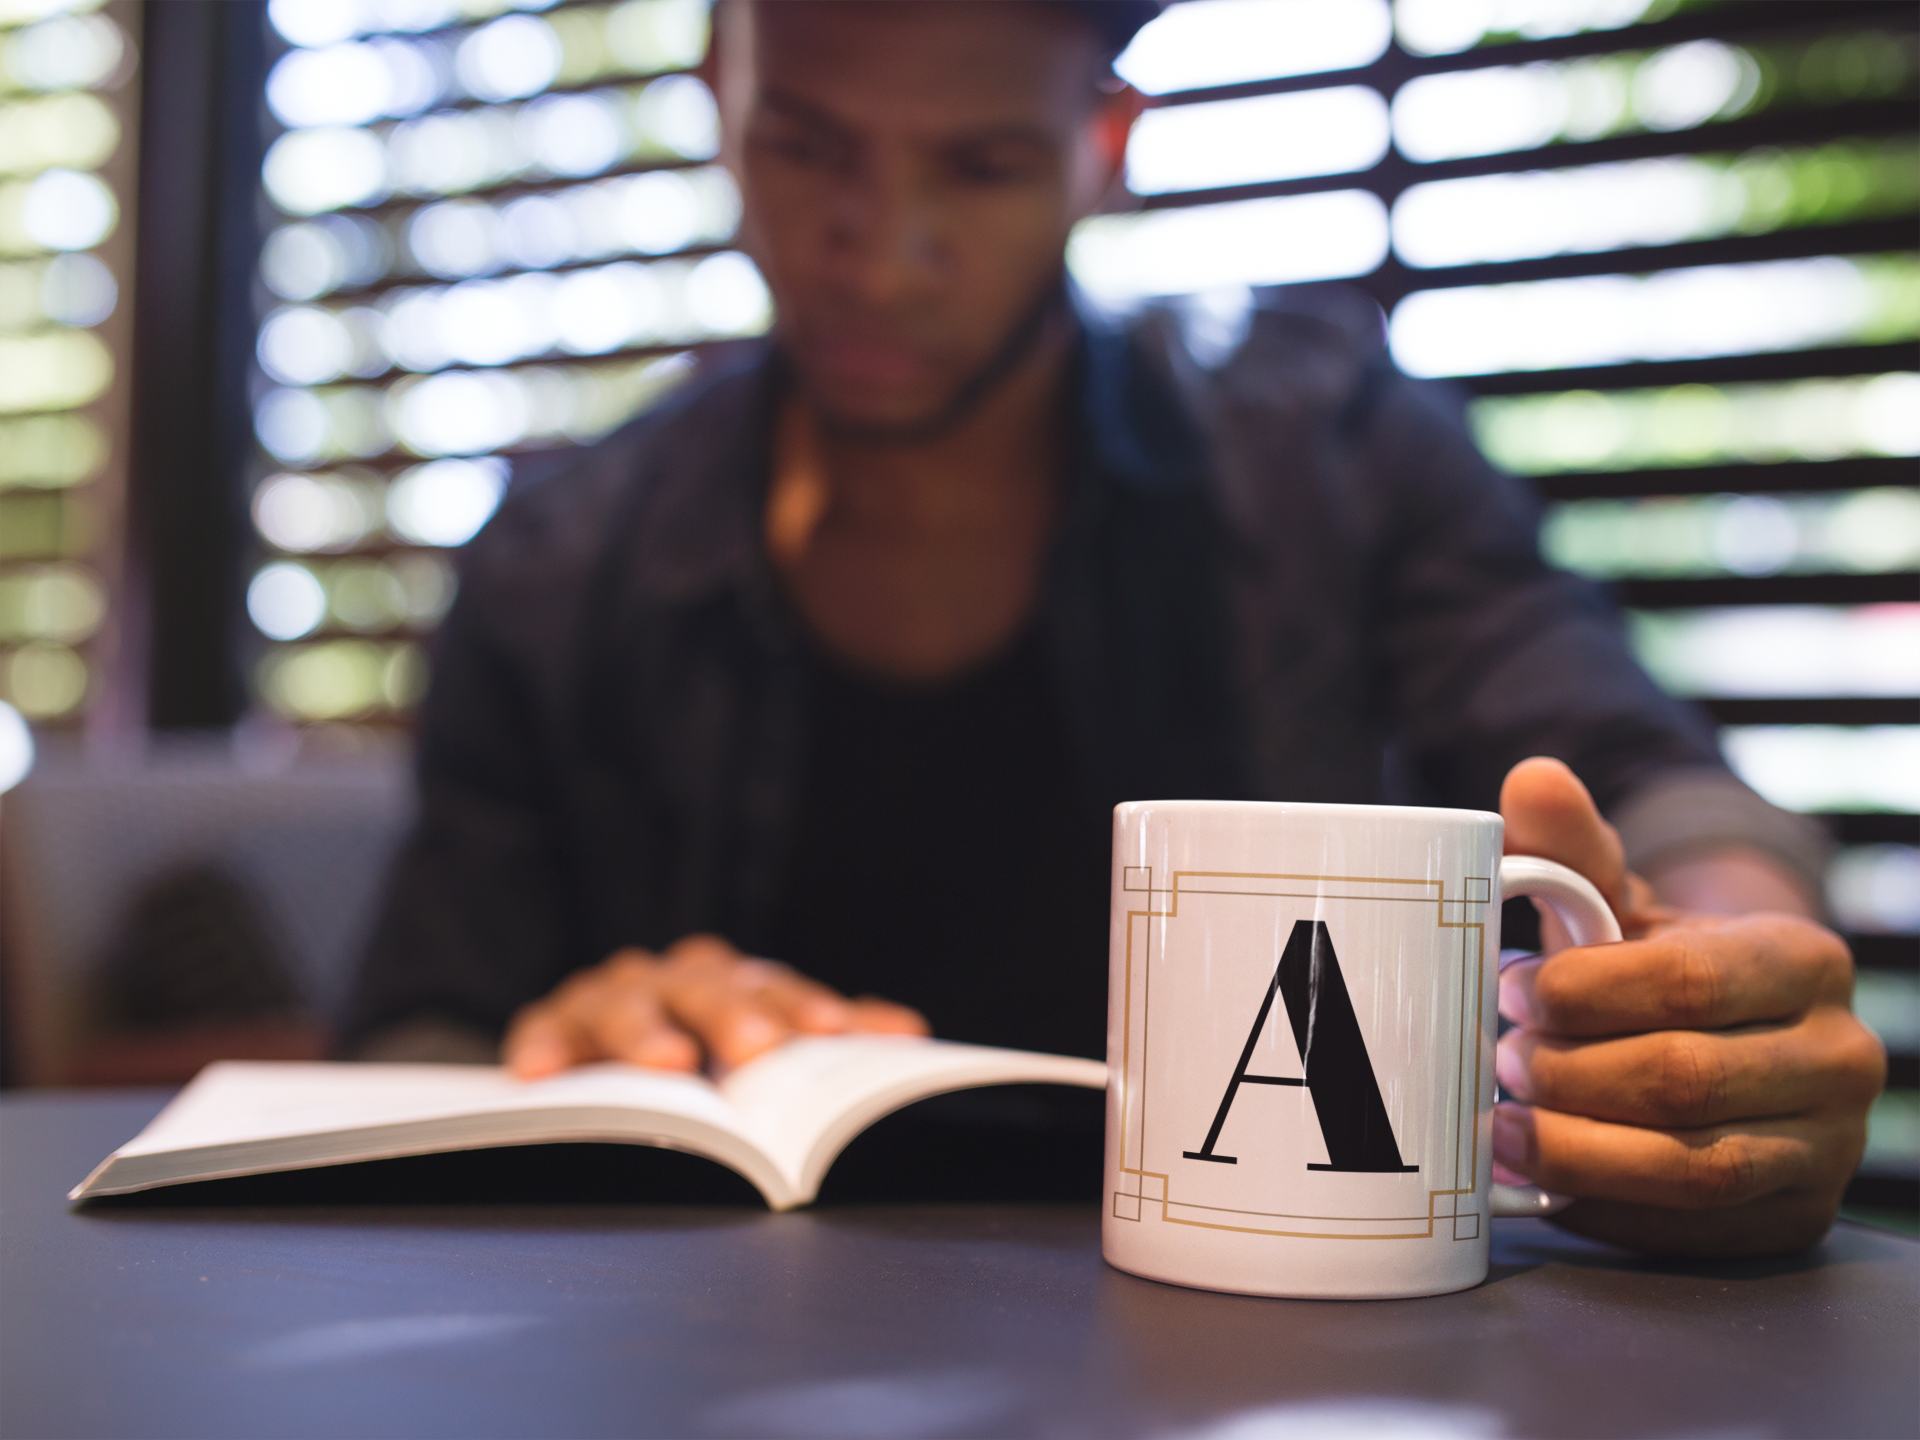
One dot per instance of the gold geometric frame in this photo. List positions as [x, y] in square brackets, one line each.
[1468, 914]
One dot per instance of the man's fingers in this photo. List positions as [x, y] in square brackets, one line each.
[727, 1001]
[1709, 1168]
[628, 1021]
[611, 1012]
[552, 1034]
[740, 1006]
[544, 1040]
[663, 1012]
[807, 1006]
[810, 1008]
[1705, 976]
[1690, 1078]
[734, 1028]
[883, 1017]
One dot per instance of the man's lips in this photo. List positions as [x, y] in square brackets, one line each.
[862, 360]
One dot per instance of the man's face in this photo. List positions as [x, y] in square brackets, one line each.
[910, 173]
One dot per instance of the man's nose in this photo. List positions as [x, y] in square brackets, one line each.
[887, 235]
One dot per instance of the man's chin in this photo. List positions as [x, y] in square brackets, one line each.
[889, 419]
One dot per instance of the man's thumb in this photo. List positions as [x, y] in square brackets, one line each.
[1550, 814]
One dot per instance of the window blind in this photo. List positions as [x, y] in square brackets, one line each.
[1666, 250]
[69, 106]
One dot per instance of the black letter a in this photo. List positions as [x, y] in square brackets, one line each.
[1346, 1097]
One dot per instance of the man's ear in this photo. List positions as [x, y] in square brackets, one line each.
[1113, 120]
[726, 71]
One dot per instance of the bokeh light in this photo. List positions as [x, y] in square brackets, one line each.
[1760, 651]
[310, 259]
[576, 134]
[1503, 108]
[308, 171]
[456, 238]
[1267, 137]
[1876, 889]
[285, 601]
[74, 129]
[1446, 27]
[1492, 218]
[67, 210]
[460, 412]
[543, 404]
[676, 117]
[322, 22]
[1121, 259]
[342, 679]
[346, 84]
[303, 513]
[77, 290]
[489, 322]
[445, 502]
[659, 213]
[47, 525]
[301, 345]
[1682, 425]
[16, 747]
[1829, 767]
[293, 424]
[68, 52]
[1670, 315]
[725, 296]
[44, 680]
[317, 23]
[364, 596]
[1859, 532]
[1893, 1133]
[451, 152]
[52, 370]
[508, 59]
[50, 602]
[1205, 43]
[50, 451]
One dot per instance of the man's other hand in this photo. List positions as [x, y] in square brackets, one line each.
[701, 999]
[1702, 1087]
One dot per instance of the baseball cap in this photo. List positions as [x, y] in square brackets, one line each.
[1117, 21]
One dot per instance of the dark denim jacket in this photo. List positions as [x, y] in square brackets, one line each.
[1287, 576]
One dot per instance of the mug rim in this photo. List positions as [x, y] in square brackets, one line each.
[1327, 809]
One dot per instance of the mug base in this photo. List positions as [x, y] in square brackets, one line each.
[1310, 1290]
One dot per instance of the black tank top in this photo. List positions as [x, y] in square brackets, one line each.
[945, 855]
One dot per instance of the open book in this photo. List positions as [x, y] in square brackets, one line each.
[779, 1120]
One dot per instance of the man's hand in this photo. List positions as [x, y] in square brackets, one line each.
[1703, 1086]
[702, 998]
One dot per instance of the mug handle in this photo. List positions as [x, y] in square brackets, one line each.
[1590, 921]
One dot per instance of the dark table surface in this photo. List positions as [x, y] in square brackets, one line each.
[476, 1319]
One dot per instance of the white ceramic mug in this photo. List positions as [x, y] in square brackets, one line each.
[1301, 1024]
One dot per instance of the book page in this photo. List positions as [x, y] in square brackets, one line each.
[240, 1118]
[235, 1102]
[805, 1101]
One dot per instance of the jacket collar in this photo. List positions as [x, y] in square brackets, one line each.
[1135, 435]
[696, 507]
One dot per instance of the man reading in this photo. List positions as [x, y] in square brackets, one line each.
[844, 653]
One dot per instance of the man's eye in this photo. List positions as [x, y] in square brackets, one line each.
[993, 167]
[800, 147]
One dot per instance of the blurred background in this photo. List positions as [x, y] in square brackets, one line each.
[291, 292]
